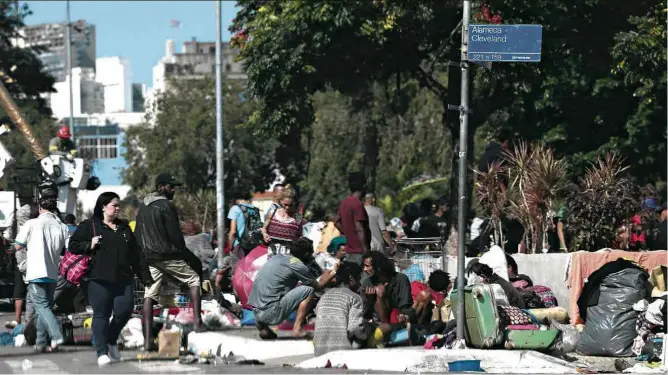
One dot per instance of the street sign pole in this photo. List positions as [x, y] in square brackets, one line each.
[68, 52]
[220, 165]
[463, 173]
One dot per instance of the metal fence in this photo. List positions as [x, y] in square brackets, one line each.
[171, 294]
[426, 253]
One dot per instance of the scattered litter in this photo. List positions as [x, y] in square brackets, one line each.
[26, 364]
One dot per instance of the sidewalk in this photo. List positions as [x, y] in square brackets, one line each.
[299, 353]
[245, 342]
[419, 360]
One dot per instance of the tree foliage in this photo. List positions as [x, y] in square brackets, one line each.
[600, 85]
[604, 201]
[26, 82]
[179, 137]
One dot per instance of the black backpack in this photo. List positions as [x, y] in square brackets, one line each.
[252, 236]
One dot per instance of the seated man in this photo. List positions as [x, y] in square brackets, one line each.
[336, 251]
[426, 297]
[489, 277]
[275, 294]
[339, 321]
[386, 294]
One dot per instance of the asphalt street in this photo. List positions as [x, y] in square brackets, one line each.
[77, 360]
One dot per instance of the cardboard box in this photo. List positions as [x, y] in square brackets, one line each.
[169, 343]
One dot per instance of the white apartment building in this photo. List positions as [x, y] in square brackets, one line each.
[196, 60]
[87, 94]
[116, 77]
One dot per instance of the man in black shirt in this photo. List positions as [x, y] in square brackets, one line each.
[434, 224]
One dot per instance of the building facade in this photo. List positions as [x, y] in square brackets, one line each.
[102, 145]
[196, 60]
[87, 94]
[50, 39]
[116, 77]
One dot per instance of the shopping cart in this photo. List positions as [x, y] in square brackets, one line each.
[427, 253]
[171, 294]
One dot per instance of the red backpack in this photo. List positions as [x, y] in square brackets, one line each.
[73, 267]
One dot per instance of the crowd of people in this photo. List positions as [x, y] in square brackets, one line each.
[339, 275]
[99, 259]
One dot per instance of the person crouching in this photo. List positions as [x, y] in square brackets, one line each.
[275, 294]
[340, 321]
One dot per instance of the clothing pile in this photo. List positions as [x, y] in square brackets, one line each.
[652, 321]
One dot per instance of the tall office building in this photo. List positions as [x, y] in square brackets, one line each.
[50, 40]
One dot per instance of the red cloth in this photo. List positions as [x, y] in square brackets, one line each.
[351, 210]
[417, 287]
[584, 263]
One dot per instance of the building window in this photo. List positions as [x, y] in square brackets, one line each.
[98, 148]
[228, 67]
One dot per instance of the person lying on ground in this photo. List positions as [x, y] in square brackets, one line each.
[518, 281]
[426, 297]
[387, 295]
[489, 277]
[276, 295]
[339, 321]
[525, 284]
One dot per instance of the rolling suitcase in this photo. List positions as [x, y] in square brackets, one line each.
[481, 301]
[484, 328]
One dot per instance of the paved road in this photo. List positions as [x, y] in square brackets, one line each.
[77, 360]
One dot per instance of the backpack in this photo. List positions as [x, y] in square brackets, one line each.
[252, 236]
[73, 267]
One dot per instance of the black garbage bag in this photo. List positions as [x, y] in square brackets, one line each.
[611, 323]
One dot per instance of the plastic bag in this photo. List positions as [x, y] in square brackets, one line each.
[570, 336]
[611, 324]
[132, 335]
[214, 316]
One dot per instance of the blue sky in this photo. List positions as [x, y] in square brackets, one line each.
[137, 30]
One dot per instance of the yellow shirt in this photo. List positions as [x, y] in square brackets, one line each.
[133, 224]
[328, 233]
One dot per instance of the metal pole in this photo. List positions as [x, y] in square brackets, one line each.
[68, 49]
[220, 165]
[463, 173]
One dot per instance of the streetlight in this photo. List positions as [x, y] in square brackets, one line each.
[68, 49]
[220, 164]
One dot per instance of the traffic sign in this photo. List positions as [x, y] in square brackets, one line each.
[510, 43]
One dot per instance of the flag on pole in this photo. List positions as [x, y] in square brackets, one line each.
[175, 23]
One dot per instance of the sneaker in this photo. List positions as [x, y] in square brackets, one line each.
[11, 325]
[114, 353]
[103, 360]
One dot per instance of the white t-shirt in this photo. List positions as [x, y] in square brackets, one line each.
[44, 239]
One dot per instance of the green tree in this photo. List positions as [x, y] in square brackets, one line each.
[294, 49]
[599, 87]
[179, 137]
[25, 80]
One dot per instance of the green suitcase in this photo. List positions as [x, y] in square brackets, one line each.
[482, 317]
[483, 325]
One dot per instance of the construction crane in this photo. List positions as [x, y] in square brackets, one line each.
[70, 175]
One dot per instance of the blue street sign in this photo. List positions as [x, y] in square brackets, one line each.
[511, 43]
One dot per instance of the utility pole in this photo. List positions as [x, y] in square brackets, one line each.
[463, 174]
[220, 162]
[68, 49]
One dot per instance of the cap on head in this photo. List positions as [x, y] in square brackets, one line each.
[166, 179]
[64, 132]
